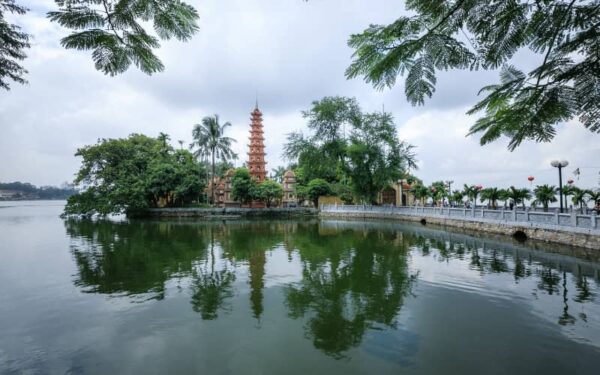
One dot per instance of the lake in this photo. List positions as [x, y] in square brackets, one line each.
[287, 297]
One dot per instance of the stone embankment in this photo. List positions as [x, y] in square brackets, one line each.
[231, 213]
[568, 229]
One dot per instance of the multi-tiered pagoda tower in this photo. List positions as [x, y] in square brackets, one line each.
[256, 155]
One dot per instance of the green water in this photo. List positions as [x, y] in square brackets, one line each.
[287, 297]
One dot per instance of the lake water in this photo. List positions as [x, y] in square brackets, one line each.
[287, 297]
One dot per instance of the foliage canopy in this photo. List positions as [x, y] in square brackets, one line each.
[133, 174]
[479, 34]
[13, 43]
[349, 147]
[114, 30]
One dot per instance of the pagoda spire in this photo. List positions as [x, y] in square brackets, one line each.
[256, 149]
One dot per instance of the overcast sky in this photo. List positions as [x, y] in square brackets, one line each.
[286, 52]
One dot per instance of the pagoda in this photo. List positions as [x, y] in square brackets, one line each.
[256, 155]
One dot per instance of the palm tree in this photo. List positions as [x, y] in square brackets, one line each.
[518, 195]
[594, 196]
[580, 198]
[457, 196]
[438, 192]
[503, 196]
[209, 138]
[278, 174]
[545, 194]
[164, 138]
[472, 192]
[491, 195]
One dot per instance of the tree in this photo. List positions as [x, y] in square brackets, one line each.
[316, 188]
[242, 186]
[269, 191]
[278, 174]
[518, 195]
[580, 197]
[133, 174]
[209, 137]
[375, 156]
[344, 192]
[545, 194]
[301, 193]
[113, 30]
[503, 196]
[164, 138]
[348, 146]
[322, 153]
[13, 43]
[492, 195]
[477, 34]
[594, 196]
[457, 197]
[472, 192]
[438, 191]
[421, 192]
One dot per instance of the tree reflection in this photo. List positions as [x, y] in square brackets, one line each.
[211, 287]
[549, 280]
[350, 282]
[134, 258]
[583, 287]
[248, 243]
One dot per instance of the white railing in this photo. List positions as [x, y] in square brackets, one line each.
[571, 220]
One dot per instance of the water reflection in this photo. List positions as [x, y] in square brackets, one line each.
[351, 281]
[352, 278]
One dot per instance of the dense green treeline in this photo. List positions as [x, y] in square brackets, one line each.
[133, 174]
[25, 190]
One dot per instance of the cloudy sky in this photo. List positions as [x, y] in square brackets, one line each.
[286, 52]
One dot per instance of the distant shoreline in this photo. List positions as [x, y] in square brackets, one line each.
[32, 199]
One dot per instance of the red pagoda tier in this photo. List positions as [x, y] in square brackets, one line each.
[256, 155]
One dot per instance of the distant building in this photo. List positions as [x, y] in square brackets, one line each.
[256, 149]
[9, 194]
[257, 166]
[397, 194]
[224, 195]
[289, 189]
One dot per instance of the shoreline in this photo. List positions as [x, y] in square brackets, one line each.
[229, 213]
[549, 234]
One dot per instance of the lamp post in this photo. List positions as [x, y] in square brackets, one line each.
[560, 165]
[449, 183]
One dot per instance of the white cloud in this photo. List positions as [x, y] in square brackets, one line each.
[289, 53]
[446, 153]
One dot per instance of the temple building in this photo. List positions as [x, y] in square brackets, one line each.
[289, 189]
[256, 149]
[257, 166]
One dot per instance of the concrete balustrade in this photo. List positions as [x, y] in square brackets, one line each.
[573, 219]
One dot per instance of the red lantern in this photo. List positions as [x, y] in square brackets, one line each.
[479, 187]
[570, 181]
[531, 178]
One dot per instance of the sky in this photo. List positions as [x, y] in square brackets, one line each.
[283, 53]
